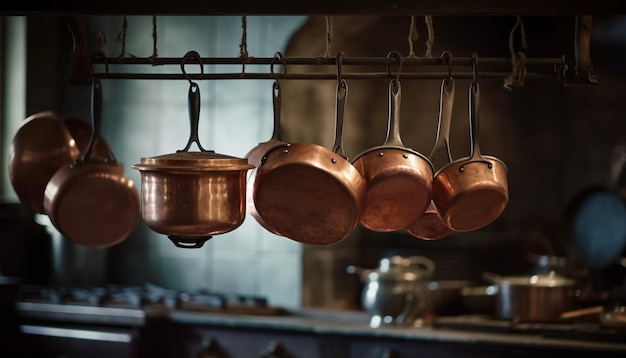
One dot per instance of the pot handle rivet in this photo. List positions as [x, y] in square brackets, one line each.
[333, 160]
[381, 154]
[405, 156]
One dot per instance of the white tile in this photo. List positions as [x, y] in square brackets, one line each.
[281, 279]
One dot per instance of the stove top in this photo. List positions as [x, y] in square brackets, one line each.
[590, 331]
[130, 305]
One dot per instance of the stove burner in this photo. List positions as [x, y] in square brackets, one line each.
[145, 296]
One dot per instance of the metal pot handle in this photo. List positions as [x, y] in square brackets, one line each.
[188, 242]
[425, 262]
[409, 299]
[194, 117]
[491, 277]
[96, 117]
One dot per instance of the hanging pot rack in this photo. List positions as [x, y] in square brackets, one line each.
[493, 68]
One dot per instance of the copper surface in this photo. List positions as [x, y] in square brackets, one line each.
[309, 193]
[187, 203]
[398, 187]
[429, 226]
[471, 198]
[40, 147]
[81, 131]
[92, 204]
[254, 157]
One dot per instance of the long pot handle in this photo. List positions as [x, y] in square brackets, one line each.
[491, 277]
[618, 161]
[342, 94]
[276, 104]
[194, 117]
[446, 103]
[393, 125]
[582, 312]
[96, 117]
[474, 110]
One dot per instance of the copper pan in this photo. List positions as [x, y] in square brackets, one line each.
[81, 130]
[190, 196]
[255, 155]
[309, 193]
[430, 226]
[471, 192]
[40, 147]
[398, 178]
[90, 201]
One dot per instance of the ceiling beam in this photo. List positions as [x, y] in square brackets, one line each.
[317, 7]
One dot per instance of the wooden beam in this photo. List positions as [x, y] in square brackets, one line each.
[317, 7]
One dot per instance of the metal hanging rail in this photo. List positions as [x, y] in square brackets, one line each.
[289, 70]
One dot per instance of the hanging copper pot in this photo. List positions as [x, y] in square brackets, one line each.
[471, 192]
[398, 178]
[90, 201]
[430, 226]
[255, 155]
[40, 147]
[309, 193]
[191, 196]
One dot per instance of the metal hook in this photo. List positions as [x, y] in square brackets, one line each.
[446, 57]
[398, 57]
[340, 56]
[191, 55]
[474, 67]
[278, 57]
[100, 55]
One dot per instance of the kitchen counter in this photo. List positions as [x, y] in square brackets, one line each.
[351, 325]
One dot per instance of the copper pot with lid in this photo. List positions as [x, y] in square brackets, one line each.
[191, 196]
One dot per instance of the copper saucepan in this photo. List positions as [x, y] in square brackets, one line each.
[430, 226]
[470, 193]
[192, 196]
[398, 178]
[40, 147]
[308, 193]
[90, 201]
[255, 155]
[81, 130]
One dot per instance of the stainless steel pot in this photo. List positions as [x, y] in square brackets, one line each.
[397, 291]
[534, 298]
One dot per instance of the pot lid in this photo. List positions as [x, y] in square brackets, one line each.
[194, 161]
[551, 279]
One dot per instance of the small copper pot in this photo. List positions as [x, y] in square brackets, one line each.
[471, 192]
[191, 196]
[398, 178]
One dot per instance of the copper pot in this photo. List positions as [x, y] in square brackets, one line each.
[430, 226]
[191, 196]
[309, 193]
[90, 201]
[398, 178]
[40, 147]
[471, 192]
[255, 155]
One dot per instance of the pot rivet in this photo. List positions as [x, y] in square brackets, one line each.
[285, 151]
[462, 169]
[489, 165]
[381, 154]
[405, 156]
[333, 160]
